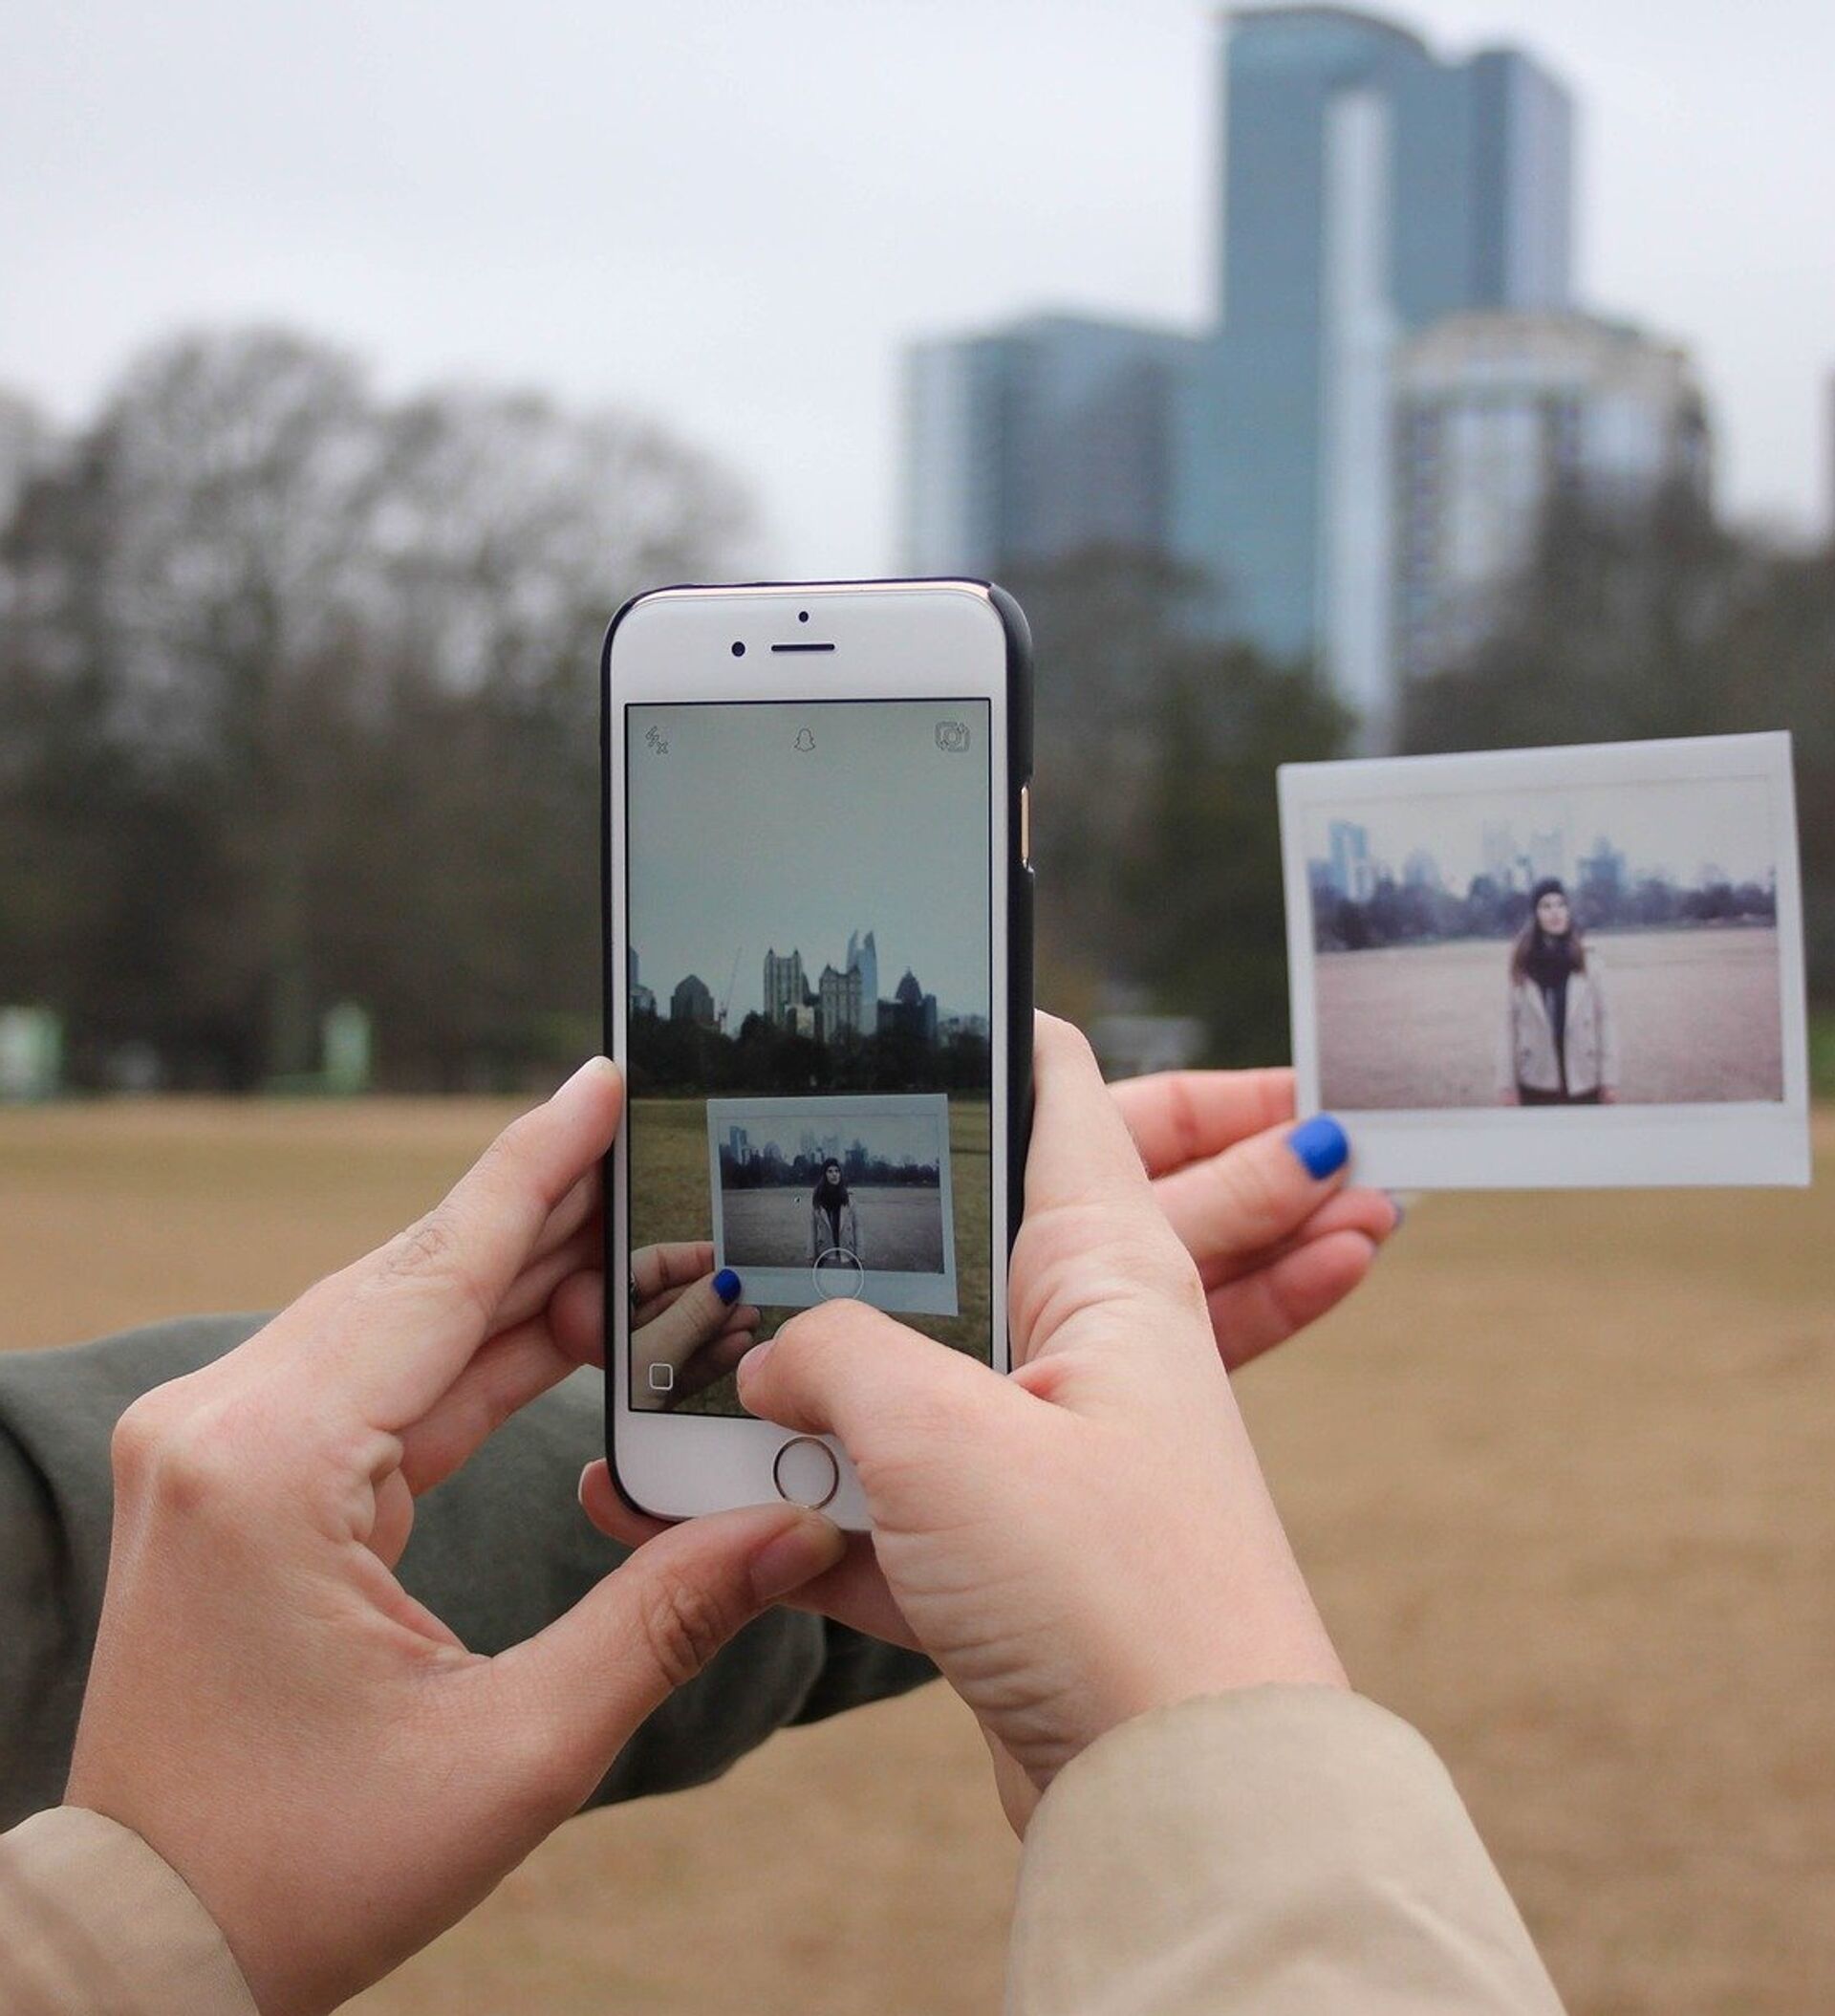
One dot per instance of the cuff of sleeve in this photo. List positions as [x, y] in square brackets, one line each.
[1296, 1851]
[96, 1921]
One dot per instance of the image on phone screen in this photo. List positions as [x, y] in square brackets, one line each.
[810, 1013]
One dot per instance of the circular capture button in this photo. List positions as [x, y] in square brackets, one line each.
[806, 1472]
[838, 1275]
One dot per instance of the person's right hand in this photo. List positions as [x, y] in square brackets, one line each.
[1090, 1538]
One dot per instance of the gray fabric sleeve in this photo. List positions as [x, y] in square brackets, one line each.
[498, 1552]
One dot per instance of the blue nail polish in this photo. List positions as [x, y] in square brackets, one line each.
[727, 1286]
[1321, 1144]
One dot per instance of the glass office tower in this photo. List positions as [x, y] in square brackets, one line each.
[1368, 190]
[1042, 439]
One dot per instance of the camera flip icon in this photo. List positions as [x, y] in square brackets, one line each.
[951, 737]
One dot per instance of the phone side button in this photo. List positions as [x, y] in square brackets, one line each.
[806, 1472]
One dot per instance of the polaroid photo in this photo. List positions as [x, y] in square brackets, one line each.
[817, 1198]
[1552, 968]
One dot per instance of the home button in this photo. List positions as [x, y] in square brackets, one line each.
[806, 1472]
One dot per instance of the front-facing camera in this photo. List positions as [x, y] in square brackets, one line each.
[739, 650]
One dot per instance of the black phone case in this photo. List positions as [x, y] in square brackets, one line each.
[1019, 920]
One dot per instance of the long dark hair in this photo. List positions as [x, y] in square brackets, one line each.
[832, 1195]
[1535, 955]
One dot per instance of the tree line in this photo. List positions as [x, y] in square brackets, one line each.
[298, 706]
[1404, 913]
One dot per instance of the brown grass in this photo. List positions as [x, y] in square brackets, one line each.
[1560, 1477]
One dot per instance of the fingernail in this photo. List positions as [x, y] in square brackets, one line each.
[586, 1071]
[1397, 1204]
[727, 1286]
[797, 1555]
[1322, 1145]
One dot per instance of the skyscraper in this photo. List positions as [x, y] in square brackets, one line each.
[1369, 189]
[863, 957]
[839, 1001]
[786, 988]
[1043, 439]
[1496, 415]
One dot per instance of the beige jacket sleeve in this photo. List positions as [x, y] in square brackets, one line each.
[94, 1923]
[1282, 1852]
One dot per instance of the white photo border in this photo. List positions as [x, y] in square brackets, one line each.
[1482, 1148]
[897, 1291]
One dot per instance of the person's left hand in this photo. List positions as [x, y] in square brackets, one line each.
[1265, 1276]
[333, 1773]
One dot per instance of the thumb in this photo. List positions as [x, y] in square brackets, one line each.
[589, 1679]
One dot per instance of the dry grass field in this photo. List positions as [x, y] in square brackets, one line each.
[1421, 1025]
[1562, 1478]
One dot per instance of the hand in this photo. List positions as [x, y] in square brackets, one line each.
[1090, 1538]
[686, 1316]
[335, 1776]
[1276, 1247]
[1207, 1139]
[1511, 1097]
[1608, 1096]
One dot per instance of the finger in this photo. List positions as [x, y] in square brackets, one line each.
[1269, 1307]
[576, 1316]
[854, 1592]
[659, 1269]
[1182, 1116]
[699, 1315]
[1257, 1194]
[851, 1371]
[1081, 1152]
[712, 1362]
[649, 1312]
[516, 1367]
[1372, 1212]
[528, 1295]
[429, 1299]
[585, 1683]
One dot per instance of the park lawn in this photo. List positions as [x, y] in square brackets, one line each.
[1560, 1476]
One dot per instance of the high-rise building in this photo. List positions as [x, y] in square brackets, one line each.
[641, 998]
[911, 1011]
[863, 957]
[839, 998]
[1041, 440]
[1354, 873]
[1370, 188]
[785, 987]
[1496, 416]
[693, 1001]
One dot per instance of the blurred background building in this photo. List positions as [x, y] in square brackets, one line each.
[1497, 416]
[1052, 436]
[1371, 191]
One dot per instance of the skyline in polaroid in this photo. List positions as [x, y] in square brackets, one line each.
[1552, 968]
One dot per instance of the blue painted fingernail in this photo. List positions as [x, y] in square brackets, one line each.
[1397, 1204]
[1321, 1144]
[727, 1286]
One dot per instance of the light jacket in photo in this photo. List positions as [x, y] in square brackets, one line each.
[1527, 1055]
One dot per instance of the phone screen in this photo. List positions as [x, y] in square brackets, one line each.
[809, 1026]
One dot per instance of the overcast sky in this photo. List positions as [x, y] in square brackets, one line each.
[743, 842]
[730, 215]
[1679, 827]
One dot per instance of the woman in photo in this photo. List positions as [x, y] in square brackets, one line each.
[1560, 1043]
[835, 1226]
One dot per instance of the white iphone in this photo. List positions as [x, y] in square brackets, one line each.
[818, 980]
